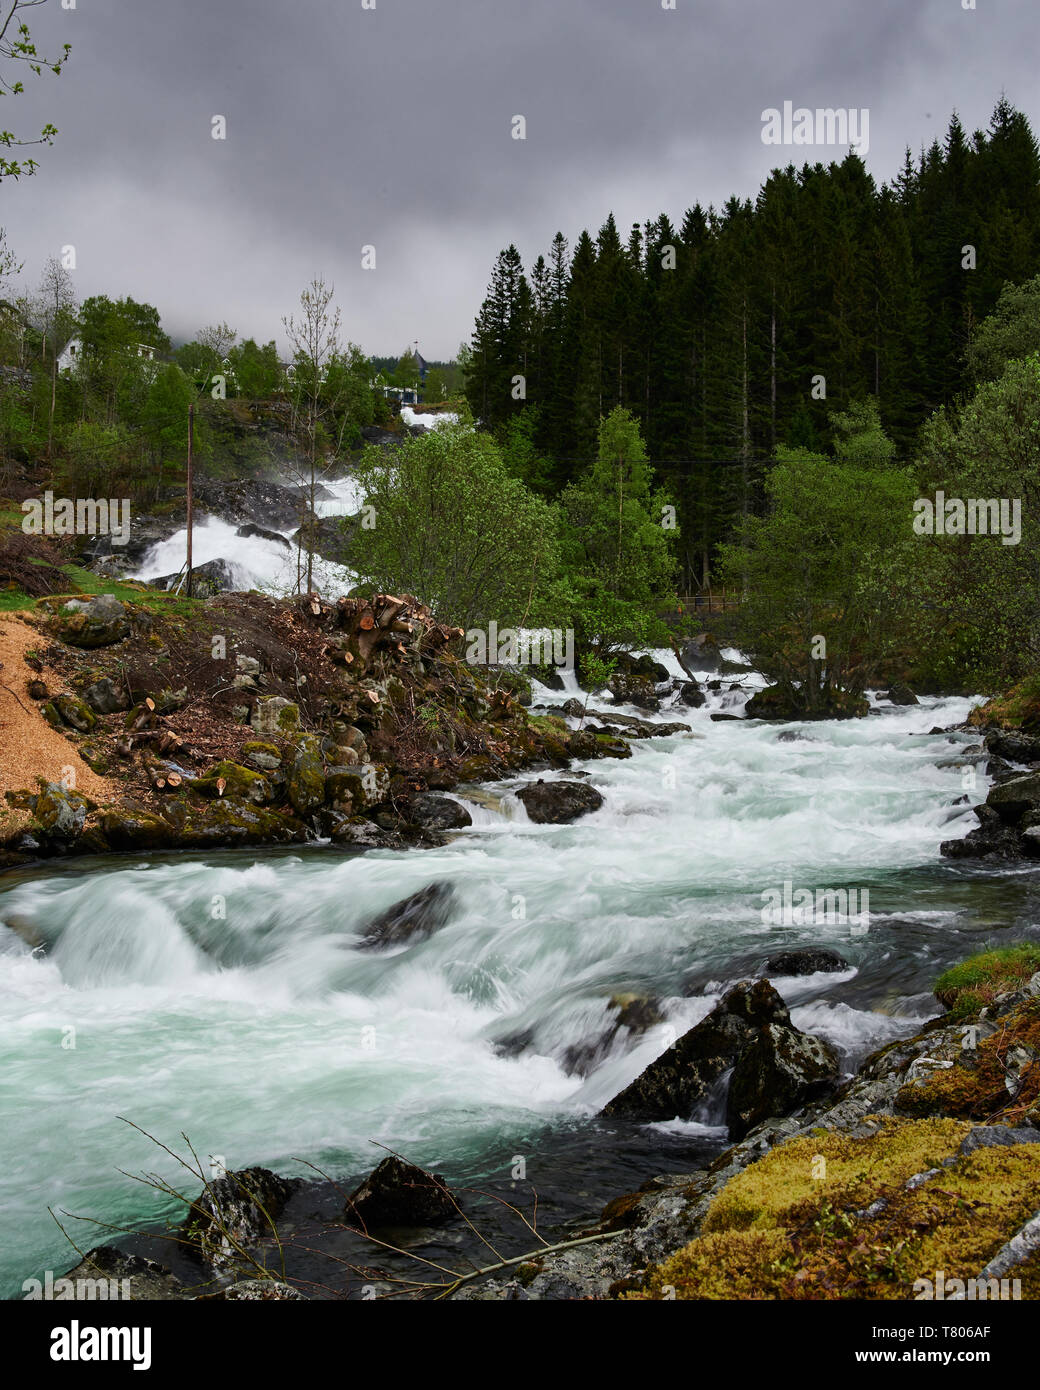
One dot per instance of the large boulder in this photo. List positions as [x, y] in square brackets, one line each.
[782, 1069]
[60, 813]
[805, 962]
[134, 1277]
[559, 803]
[776, 1067]
[1014, 798]
[413, 919]
[207, 580]
[1013, 745]
[701, 653]
[692, 695]
[274, 716]
[399, 1194]
[97, 622]
[235, 1212]
[305, 782]
[231, 779]
[438, 813]
[105, 697]
[633, 690]
[900, 694]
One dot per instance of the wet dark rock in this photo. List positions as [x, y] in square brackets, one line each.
[900, 694]
[692, 695]
[994, 839]
[399, 1194]
[251, 531]
[559, 803]
[637, 1012]
[413, 919]
[633, 690]
[805, 962]
[327, 536]
[105, 697]
[1014, 798]
[1013, 745]
[145, 1280]
[776, 1067]
[238, 1209]
[212, 578]
[701, 653]
[246, 500]
[438, 813]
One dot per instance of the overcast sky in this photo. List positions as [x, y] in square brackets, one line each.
[391, 127]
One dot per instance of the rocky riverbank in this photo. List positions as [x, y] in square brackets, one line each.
[246, 720]
[867, 1188]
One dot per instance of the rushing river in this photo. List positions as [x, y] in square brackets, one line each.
[223, 996]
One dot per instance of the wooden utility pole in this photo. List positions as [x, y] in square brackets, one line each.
[191, 453]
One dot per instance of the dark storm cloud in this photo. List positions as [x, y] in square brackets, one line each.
[391, 127]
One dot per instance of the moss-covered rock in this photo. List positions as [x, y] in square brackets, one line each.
[834, 1216]
[232, 780]
[305, 782]
[97, 622]
[75, 713]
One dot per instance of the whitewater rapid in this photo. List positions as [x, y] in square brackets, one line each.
[224, 996]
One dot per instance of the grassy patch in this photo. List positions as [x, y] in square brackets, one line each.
[1017, 708]
[970, 986]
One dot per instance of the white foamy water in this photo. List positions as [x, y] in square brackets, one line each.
[228, 999]
[255, 561]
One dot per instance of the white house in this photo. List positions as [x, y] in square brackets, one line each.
[71, 353]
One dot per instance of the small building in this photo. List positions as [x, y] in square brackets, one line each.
[70, 355]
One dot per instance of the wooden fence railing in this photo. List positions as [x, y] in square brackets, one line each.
[710, 601]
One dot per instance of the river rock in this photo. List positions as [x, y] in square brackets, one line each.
[633, 690]
[701, 653]
[251, 531]
[105, 697]
[90, 623]
[776, 1067]
[559, 803]
[438, 813]
[1013, 746]
[60, 813]
[208, 580]
[780, 1071]
[399, 1194]
[1014, 798]
[900, 694]
[805, 962]
[235, 1210]
[413, 919]
[993, 839]
[692, 695]
[305, 782]
[139, 1279]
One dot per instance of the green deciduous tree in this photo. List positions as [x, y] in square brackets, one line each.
[450, 525]
[19, 56]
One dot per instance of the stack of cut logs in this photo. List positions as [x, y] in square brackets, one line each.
[383, 624]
